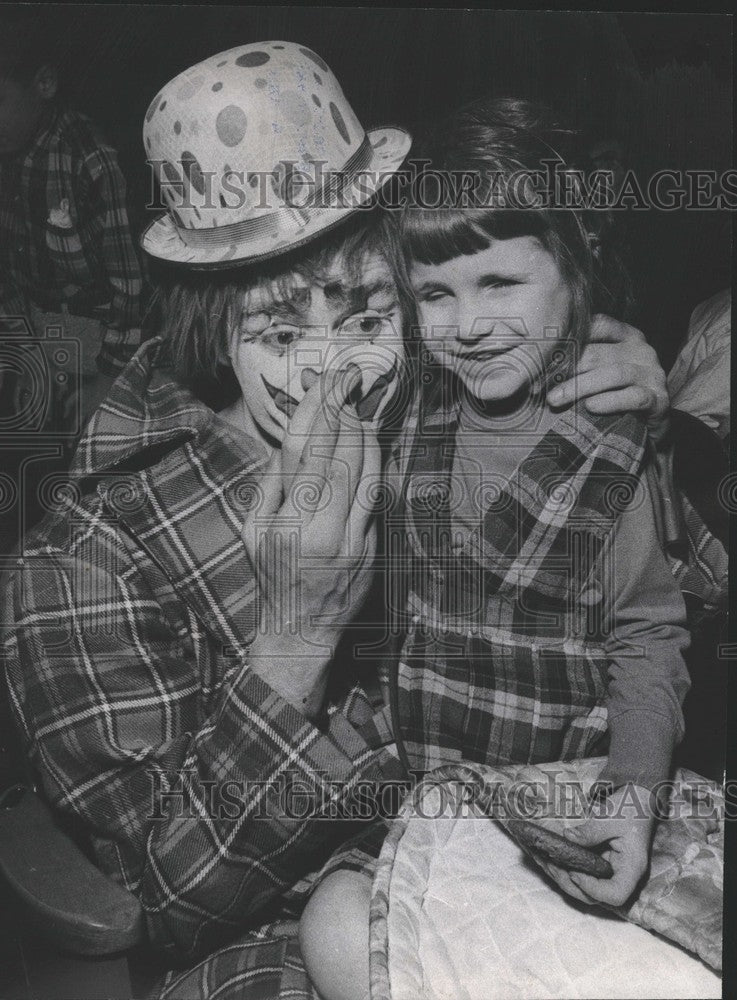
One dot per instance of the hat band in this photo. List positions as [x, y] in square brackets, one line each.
[288, 217]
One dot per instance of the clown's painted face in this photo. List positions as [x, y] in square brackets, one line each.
[284, 343]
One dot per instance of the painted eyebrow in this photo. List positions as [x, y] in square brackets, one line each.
[350, 298]
[283, 308]
[337, 291]
[428, 285]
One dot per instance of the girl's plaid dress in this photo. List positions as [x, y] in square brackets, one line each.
[509, 627]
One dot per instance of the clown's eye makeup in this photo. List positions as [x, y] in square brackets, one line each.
[366, 325]
[278, 339]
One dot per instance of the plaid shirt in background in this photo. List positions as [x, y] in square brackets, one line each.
[131, 615]
[65, 240]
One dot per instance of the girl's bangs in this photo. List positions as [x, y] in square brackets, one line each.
[434, 236]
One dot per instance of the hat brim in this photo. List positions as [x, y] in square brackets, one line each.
[390, 146]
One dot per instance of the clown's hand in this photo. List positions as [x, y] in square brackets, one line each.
[621, 830]
[312, 541]
[618, 372]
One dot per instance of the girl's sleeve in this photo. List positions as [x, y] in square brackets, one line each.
[646, 642]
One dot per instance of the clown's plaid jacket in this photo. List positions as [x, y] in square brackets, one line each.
[132, 609]
[65, 239]
[522, 643]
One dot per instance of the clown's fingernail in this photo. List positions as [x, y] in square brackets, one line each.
[308, 378]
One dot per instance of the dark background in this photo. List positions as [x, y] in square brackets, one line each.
[658, 83]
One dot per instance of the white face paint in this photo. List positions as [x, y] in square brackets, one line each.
[281, 347]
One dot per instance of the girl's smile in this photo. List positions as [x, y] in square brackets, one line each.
[495, 316]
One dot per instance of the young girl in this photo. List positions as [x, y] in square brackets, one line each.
[543, 622]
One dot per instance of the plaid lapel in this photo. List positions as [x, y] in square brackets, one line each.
[186, 509]
[427, 464]
[577, 478]
[189, 518]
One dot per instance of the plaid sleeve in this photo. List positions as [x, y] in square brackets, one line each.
[209, 817]
[105, 196]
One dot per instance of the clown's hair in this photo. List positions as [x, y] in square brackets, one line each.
[198, 310]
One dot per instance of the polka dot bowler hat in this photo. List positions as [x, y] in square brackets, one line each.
[257, 151]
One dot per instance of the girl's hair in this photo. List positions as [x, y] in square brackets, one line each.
[493, 168]
[197, 311]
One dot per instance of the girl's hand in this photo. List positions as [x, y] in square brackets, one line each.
[618, 372]
[623, 824]
[312, 541]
